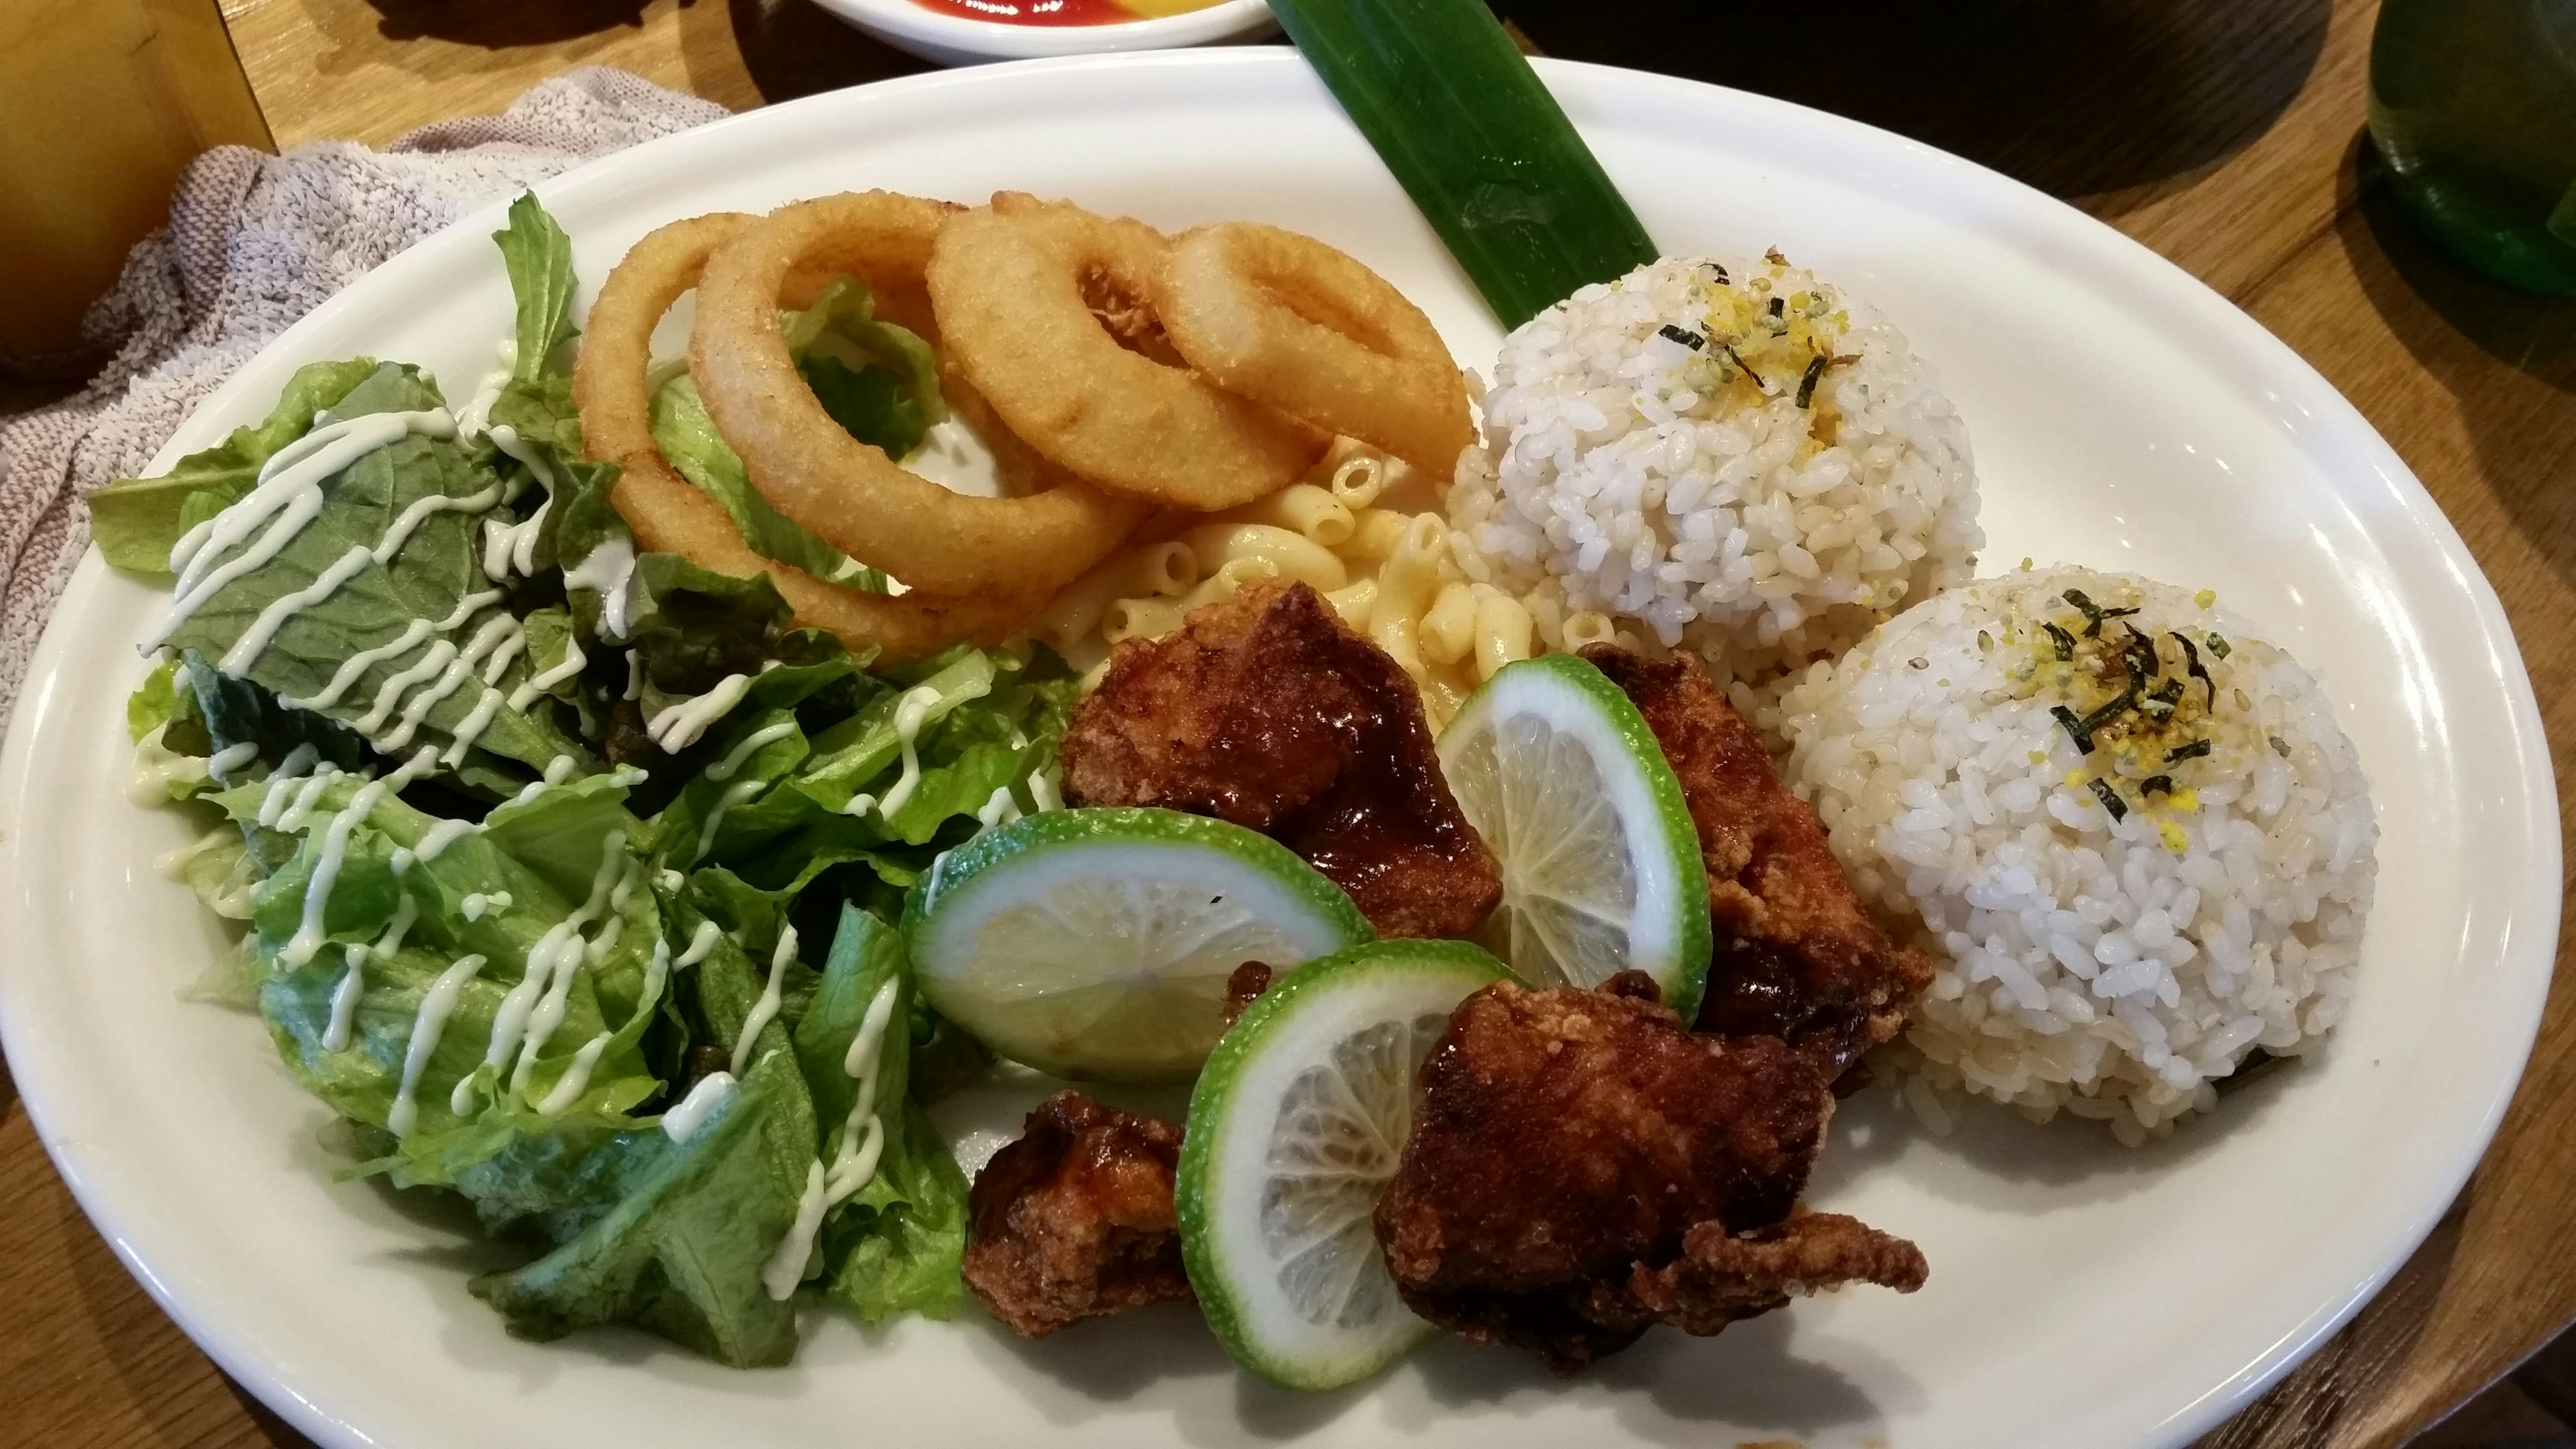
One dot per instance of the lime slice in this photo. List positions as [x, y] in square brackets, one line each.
[1096, 943]
[1601, 865]
[1295, 1128]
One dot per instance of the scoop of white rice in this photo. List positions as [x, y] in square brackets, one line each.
[1658, 449]
[2111, 967]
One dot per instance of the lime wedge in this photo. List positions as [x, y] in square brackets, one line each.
[1096, 943]
[1601, 865]
[1295, 1128]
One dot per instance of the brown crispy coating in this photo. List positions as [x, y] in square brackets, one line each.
[1245, 987]
[1074, 1220]
[1569, 1147]
[1720, 1278]
[1798, 956]
[1268, 711]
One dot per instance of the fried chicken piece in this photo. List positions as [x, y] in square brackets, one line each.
[1582, 1167]
[1798, 956]
[1719, 1279]
[1245, 987]
[1268, 711]
[1074, 1220]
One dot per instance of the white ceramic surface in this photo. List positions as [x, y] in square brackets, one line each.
[2081, 1294]
[949, 39]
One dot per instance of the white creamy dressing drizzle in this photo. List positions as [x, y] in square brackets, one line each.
[854, 1162]
[557, 952]
[568, 959]
[471, 728]
[355, 667]
[576, 1075]
[287, 497]
[752, 744]
[308, 795]
[999, 809]
[506, 438]
[737, 793]
[786, 1267]
[679, 726]
[436, 1005]
[152, 777]
[297, 761]
[509, 547]
[263, 630]
[606, 571]
[564, 668]
[474, 906]
[634, 675]
[460, 669]
[765, 1010]
[353, 982]
[702, 944]
[558, 770]
[854, 1158]
[335, 852]
[475, 418]
[223, 762]
[389, 697]
[910, 713]
[442, 835]
[683, 1121]
[741, 791]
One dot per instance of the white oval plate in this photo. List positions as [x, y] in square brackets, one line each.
[2080, 1293]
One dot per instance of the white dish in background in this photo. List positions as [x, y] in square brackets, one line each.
[2081, 1294]
[938, 36]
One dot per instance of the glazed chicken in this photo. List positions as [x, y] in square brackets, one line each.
[1582, 1167]
[1074, 1220]
[1798, 956]
[1270, 712]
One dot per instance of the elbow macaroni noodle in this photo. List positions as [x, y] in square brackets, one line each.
[1389, 573]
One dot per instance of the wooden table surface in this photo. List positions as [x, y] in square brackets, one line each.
[2226, 136]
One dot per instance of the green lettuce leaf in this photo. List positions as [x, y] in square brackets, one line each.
[679, 1249]
[137, 520]
[896, 1245]
[537, 401]
[689, 440]
[880, 382]
[545, 855]
[436, 569]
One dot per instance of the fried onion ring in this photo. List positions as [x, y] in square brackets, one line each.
[668, 514]
[843, 491]
[1288, 321]
[1047, 309]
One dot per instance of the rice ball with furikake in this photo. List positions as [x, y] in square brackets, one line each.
[2138, 845]
[1742, 459]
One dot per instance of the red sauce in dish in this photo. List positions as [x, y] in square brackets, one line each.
[1035, 12]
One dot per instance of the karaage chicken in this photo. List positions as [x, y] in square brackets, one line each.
[1270, 712]
[1798, 956]
[1582, 1167]
[1074, 1220]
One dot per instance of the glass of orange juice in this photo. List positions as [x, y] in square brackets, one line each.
[102, 104]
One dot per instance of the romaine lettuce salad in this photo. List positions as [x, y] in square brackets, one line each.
[542, 849]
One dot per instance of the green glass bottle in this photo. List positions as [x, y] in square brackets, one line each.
[2473, 103]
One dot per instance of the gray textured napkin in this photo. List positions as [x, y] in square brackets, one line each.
[254, 242]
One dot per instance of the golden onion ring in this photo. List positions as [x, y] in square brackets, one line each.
[843, 491]
[668, 514]
[1028, 293]
[1288, 321]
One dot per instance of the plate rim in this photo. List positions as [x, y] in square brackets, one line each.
[38, 1077]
